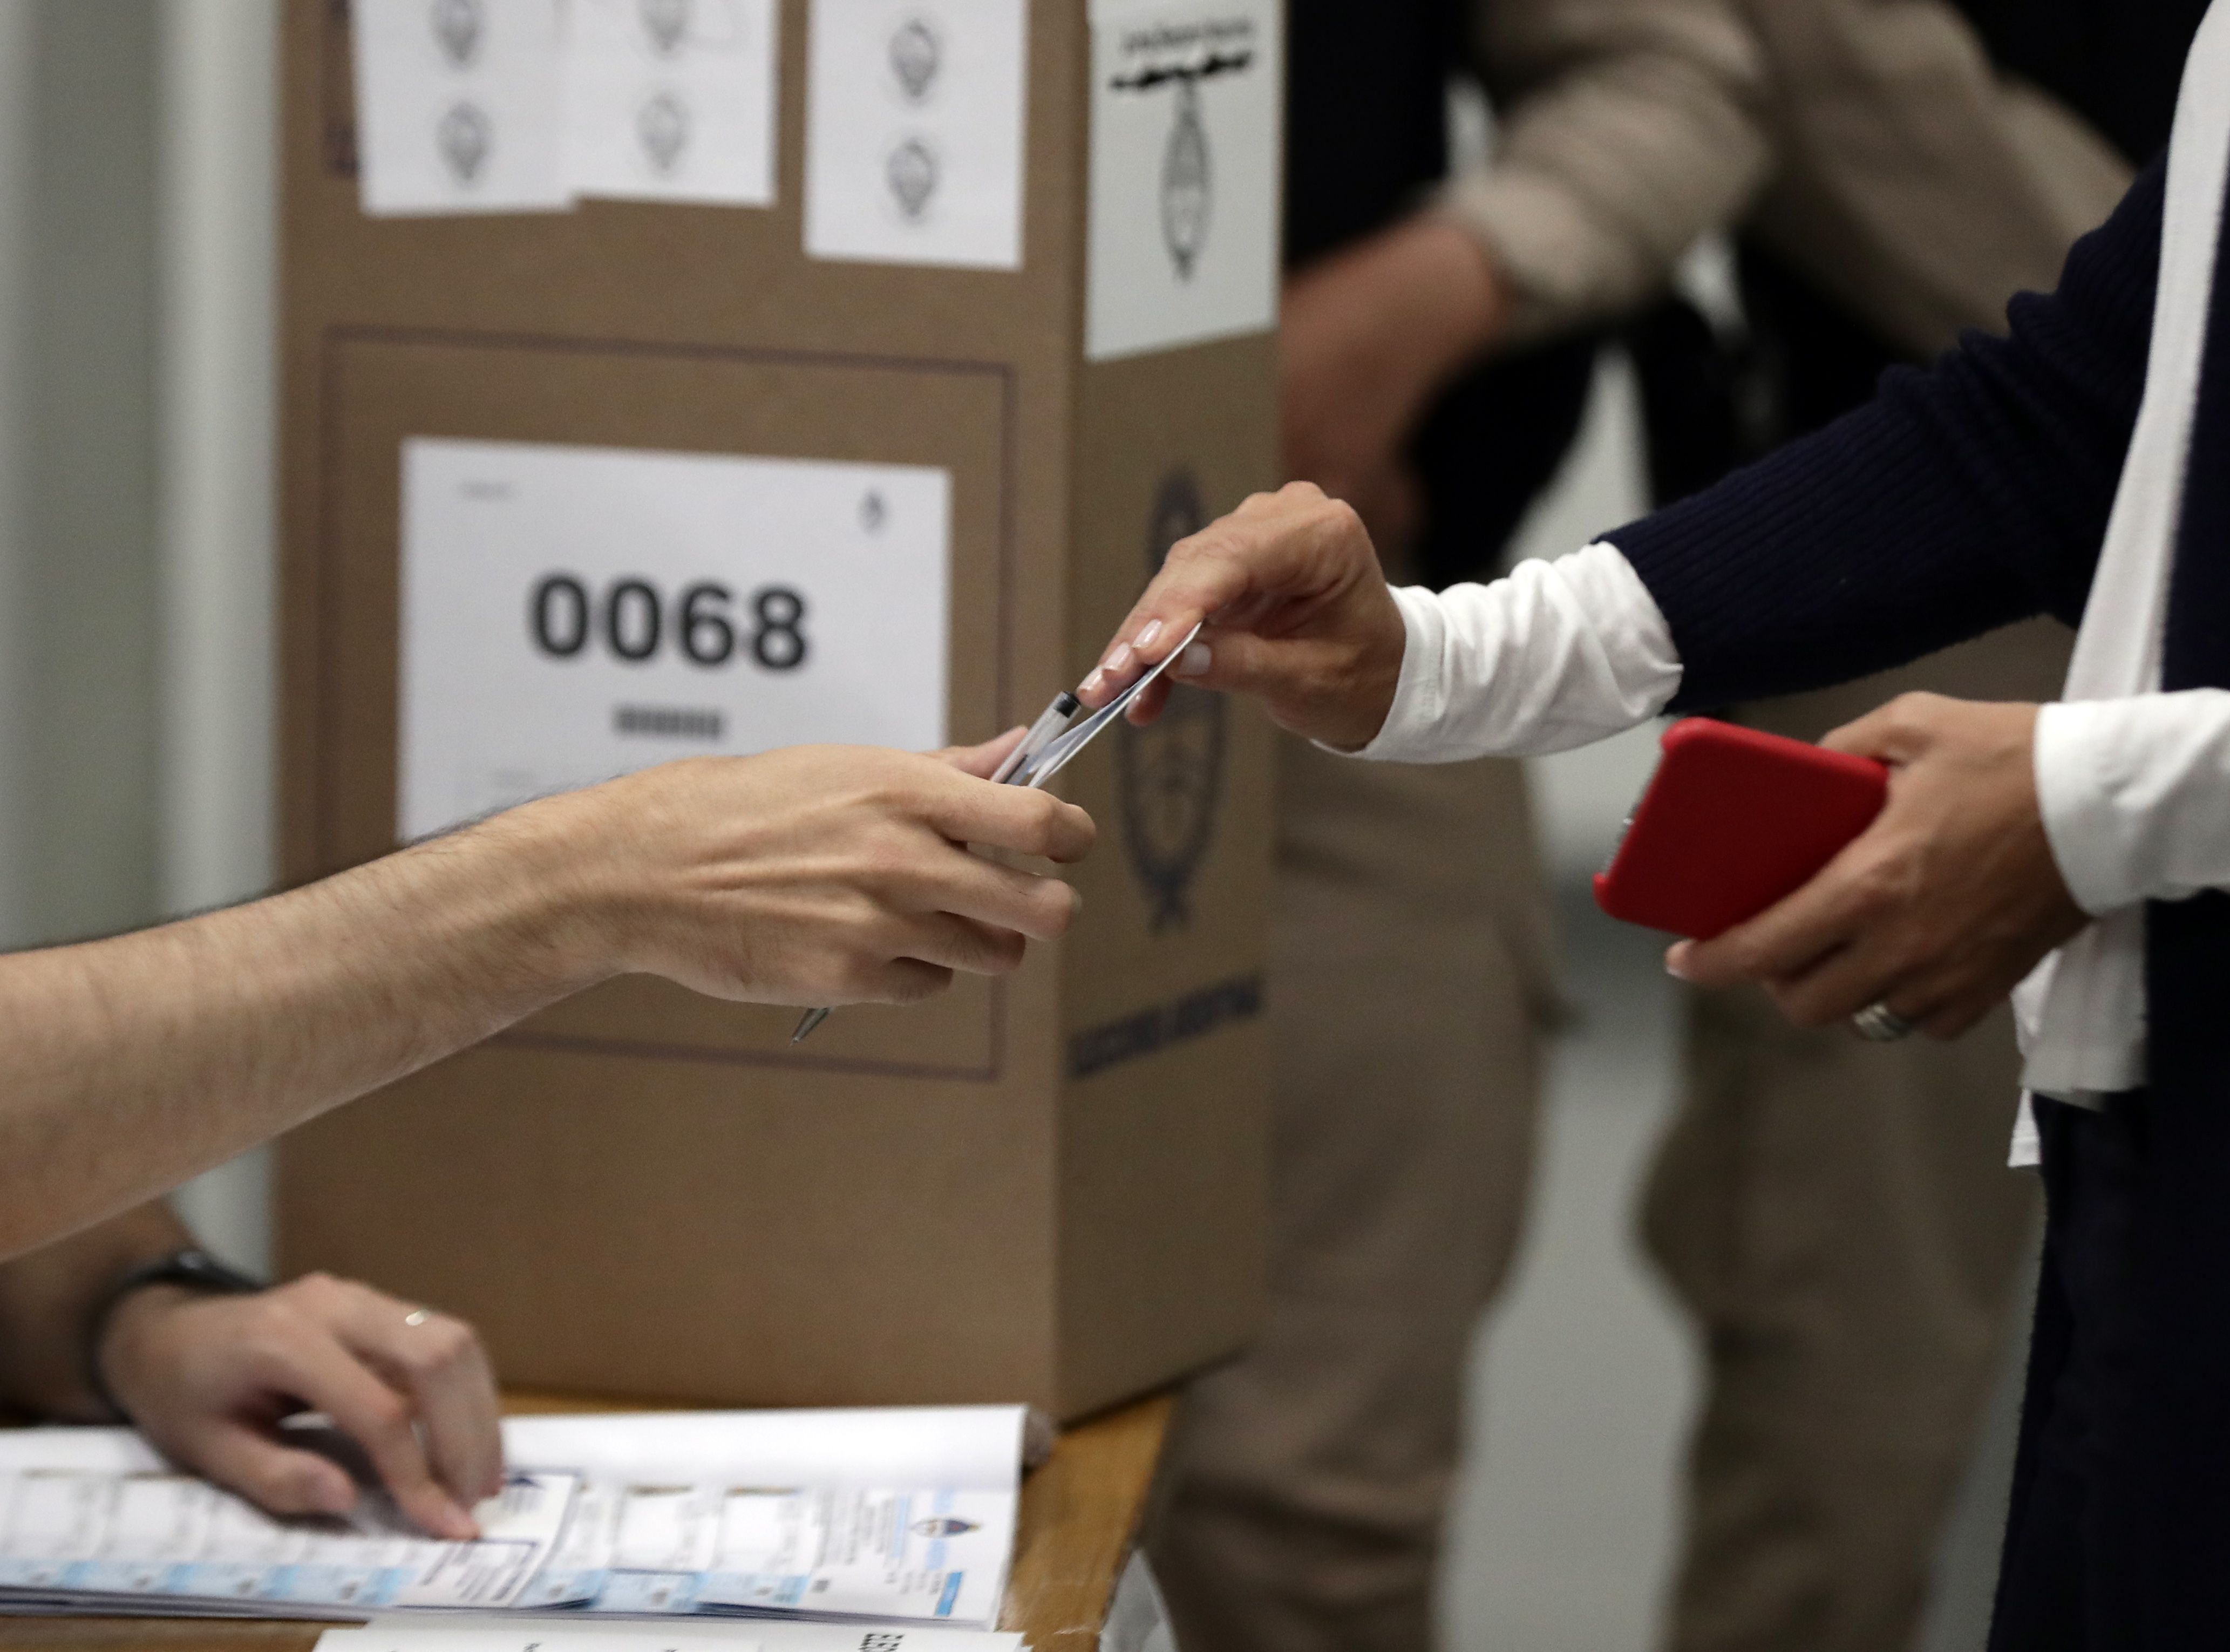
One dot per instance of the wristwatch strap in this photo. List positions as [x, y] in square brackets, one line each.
[192, 1267]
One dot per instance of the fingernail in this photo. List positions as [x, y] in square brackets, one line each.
[1091, 684]
[1119, 660]
[1676, 962]
[1147, 633]
[1194, 662]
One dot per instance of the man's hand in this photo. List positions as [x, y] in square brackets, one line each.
[1366, 337]
[1299, 614]
[208, 1378]
[818, 874]
[1937, 909]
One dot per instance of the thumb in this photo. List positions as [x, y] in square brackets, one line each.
[1886, 734]
[283, 1479]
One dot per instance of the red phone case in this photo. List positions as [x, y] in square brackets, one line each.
[1732, 821]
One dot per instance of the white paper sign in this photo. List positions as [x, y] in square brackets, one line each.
[570, 614]
[458, 107]
[672, 99]
[914, 131]
[1187, 100]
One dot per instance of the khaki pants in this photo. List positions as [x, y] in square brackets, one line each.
[1839, 1219]
[1306, 1480]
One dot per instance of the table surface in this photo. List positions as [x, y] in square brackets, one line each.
[1080, 1510]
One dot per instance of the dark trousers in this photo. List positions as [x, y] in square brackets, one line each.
[2078, 1390]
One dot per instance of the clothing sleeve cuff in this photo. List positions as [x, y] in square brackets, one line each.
[1542, 248]
[2082, 820]
[1419, 692]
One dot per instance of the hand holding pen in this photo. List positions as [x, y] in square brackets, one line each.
[1051, 743]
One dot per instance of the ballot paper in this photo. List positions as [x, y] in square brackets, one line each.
[864, 1516]
[459, 106]
[914, 131]
[672, 99]
[544, 1633]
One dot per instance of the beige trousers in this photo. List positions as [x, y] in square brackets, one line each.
[1408, 976]
[1837, 1216]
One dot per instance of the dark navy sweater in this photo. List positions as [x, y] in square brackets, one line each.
[1964, 497]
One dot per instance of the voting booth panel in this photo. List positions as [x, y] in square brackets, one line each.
[571, 490]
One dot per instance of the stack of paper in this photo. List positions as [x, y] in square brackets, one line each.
[901, 1516]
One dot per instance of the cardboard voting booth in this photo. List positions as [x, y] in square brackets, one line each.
[691, 376]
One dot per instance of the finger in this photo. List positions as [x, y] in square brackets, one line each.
[285, 1479]
[1785, 940]
[326, 1378]
[1845, 982]
[961, 947]
[983, 761]
[1896, 732]
[1014, 818]
[439, 1363]
[907, 980]
[984, 891]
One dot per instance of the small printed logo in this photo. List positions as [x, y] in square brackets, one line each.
[663, 124]
[917, 53]
[464, 138]
[457, 27]
[1171, 773]
[911, 173]
[944, 1526]
[667, 24]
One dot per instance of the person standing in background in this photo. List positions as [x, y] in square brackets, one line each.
[1835, 1215]
[1409, 986]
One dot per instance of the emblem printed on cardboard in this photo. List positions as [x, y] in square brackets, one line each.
[1170, 773]
[463, 136]
[914, 131]
[1184, 166]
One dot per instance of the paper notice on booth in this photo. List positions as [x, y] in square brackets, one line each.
[914, 131]
[672, 99]
[459, 106]
[1187, 97]
[570, 614]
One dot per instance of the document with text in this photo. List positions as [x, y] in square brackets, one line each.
[904, 1515]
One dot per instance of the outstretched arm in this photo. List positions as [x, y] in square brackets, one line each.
[815, 875]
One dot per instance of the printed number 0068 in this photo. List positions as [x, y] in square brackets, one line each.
[633, 620]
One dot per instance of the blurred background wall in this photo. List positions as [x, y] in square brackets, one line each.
[136, 430]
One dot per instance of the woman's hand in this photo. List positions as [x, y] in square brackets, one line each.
[208, 1380]
[1298, 614]
[1937, 910]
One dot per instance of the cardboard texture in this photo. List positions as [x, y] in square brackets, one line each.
[1047, 1189]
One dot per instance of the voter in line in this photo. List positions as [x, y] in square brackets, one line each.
[815, 875]
[2075, 851]
[130, 1321]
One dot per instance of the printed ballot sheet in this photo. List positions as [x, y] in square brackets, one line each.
[545, 1633]
[459, 106]
[570, 614]
[914, 131]
[874, 1516]
[671, 99]
[1186, 146]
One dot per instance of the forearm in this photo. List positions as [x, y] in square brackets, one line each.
[47, 1298]
[1626, 128]
[132, 1064]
